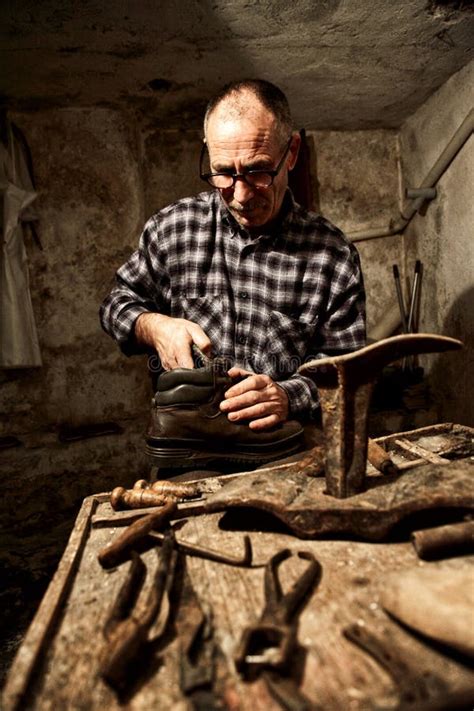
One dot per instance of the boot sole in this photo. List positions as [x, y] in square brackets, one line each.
[182, 456]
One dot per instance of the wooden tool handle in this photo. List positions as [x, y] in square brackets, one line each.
[444, 541]
[380, 459]
[136, 498]
[141, 484]
[119, 550]
[144, 494]
[182, 490]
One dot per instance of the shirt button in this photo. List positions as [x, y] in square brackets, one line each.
[241, 339]
[243, 295]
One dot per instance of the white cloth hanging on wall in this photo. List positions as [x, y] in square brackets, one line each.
[19, 347]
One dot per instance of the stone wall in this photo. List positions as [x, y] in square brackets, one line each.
[87, 169]
[357, 181]
[443, 240]
[170, 166]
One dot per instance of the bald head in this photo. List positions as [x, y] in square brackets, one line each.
[250, 99]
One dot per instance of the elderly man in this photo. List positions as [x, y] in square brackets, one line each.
[242, 271]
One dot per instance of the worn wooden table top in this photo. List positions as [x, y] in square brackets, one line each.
[57, 665]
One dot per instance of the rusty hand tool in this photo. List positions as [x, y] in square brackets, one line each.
[380, 459]
[411, 323]
[244, 561]
[204, 676]
[127, 595]
[119, 550]
[126, 631]
[412, 326]
[197, 661]
[286, 691]
[444, 541]
[182, 490]
[299, 501]
[270, 643]
[345, 385]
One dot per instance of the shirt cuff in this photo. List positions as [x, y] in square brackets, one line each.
[303, 396]
[126, 327]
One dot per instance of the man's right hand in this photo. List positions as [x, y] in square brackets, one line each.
[172, 338]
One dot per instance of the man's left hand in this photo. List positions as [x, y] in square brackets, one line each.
[256, 398]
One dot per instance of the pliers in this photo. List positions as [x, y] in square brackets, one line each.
[269, 644]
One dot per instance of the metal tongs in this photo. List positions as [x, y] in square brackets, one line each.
[270, 643]
[127, 629]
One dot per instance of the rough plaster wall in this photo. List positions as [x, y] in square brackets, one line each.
[358, 186]
[171, 166]
[365, 64]
[444, 241]
[86, 165]
[86, 170]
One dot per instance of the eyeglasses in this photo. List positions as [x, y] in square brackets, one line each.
[254, 178]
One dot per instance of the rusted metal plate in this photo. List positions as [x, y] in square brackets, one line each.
[301, 504]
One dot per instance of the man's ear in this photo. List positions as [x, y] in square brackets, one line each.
[294, 150]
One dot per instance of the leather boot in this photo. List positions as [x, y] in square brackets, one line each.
[188, 428]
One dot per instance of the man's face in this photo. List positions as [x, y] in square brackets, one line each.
[249, 140]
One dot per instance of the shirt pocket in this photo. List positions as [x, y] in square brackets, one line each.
[288, 341]
[209, 312]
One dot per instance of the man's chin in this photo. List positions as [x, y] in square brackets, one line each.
[248, 219]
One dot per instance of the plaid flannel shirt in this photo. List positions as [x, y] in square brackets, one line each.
[267, 303]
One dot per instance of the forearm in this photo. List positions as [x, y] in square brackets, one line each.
[145, 328]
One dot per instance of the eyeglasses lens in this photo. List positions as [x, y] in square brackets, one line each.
[257, 179]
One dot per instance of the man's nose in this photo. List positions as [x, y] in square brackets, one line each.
[243, 192]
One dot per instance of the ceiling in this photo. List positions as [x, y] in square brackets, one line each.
[345, 64]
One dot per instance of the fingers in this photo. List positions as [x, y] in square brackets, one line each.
[172, 338]
[258, 399]
[183, 357]
[180, 337]
[199, 338]
[236, 372]
[251, 382]
[173, 343]
[264, 423]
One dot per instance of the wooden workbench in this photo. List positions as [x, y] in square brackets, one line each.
[57, 664]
